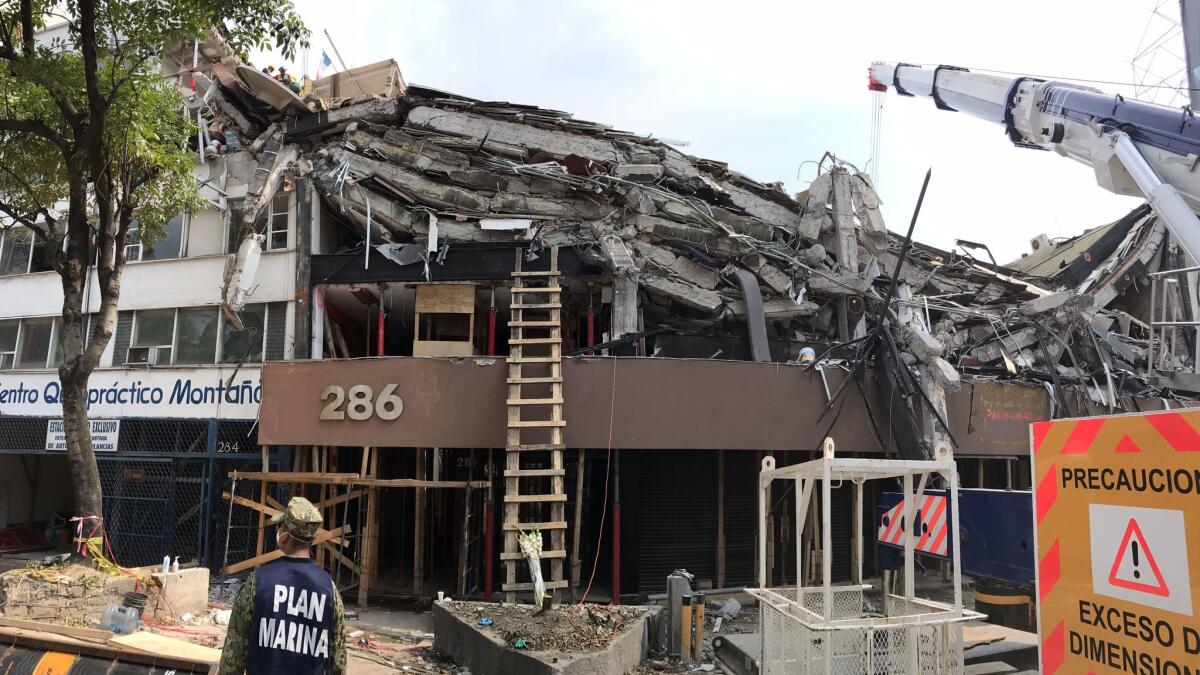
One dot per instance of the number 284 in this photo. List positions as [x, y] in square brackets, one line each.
[360, 403]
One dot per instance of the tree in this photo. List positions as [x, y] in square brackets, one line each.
[92, 137]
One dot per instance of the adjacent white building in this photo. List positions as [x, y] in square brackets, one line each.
[181, 383]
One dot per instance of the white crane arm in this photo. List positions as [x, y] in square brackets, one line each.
[1134, 148]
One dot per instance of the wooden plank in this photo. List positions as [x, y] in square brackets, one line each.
[331, 550]
[289, 477]
[162, 645]
[536, 341]
[576, 563]
[441, 298]
[534, 380]
[534, 401]
[528, 586]
[533, 323]
[344, 497]
[527, 473]
[537, 447]
[546, 555]
[536, 274]
[368, 563]
[413, 483]
[71, 631]
[539, 305]
[321, 538]
[514, 526]
[537, 289]
[262, 497]
[535, 424]
[528, 499]
[534, 359]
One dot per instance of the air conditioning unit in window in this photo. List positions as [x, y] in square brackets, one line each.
[151, 356]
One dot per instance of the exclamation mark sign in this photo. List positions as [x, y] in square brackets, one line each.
[1136, 573]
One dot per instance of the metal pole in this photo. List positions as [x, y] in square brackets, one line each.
[858, 531]
[827, 538]
[764, 491]
[343, 63]
[951, 477]
[229, 522]
[1164, 198]
[908, 540]
[801, 508]
[1150, 327]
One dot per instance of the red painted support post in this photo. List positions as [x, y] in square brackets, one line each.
[379, 340]
[616, 554]
[491, 343]
[616, 529]
[591, 326]
[489, 551]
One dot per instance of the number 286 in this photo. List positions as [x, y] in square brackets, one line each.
[359, 403]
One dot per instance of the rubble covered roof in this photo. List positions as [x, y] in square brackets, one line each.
[431, 163]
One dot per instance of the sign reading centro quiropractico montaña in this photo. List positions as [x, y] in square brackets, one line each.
[1117, 514]
[194, 393]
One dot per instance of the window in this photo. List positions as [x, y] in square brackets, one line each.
[16, 250]
[21, 252]
[196, 340]
[273, 222]
[31, 343]
[170, 245]
[277, 222]
[153, 337]
[245, 344]
[198, 335]
[8, 343]
[33, 350]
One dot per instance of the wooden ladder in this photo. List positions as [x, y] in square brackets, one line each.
[535, 340]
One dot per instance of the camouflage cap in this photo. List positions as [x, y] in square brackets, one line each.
[300, 519]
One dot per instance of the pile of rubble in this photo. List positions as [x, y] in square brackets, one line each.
[417, 173]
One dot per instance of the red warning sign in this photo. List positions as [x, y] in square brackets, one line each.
[1127, 567]
[930, 521]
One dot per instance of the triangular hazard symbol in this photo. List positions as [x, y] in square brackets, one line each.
[1133, 561]
[1127, 445]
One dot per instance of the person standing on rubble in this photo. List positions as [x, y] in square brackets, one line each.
[288, 617]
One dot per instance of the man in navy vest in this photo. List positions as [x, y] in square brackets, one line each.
[288, 617]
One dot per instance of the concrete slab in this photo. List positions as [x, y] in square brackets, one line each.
[486, 652]
[182, 592]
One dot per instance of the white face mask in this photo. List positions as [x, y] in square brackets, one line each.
[278, 537]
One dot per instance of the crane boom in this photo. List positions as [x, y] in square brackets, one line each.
[1135, 148]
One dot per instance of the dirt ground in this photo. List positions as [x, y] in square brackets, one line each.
[566, 628]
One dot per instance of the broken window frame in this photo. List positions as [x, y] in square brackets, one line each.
[274, 222]
[224, 333]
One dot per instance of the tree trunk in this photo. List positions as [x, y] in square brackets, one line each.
[81, 458]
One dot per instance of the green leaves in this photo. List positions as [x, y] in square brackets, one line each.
[88, 105]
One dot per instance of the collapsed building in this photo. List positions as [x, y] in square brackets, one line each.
[505, 318]
[432, 212]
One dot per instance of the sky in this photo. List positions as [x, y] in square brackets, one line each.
[769, 87]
